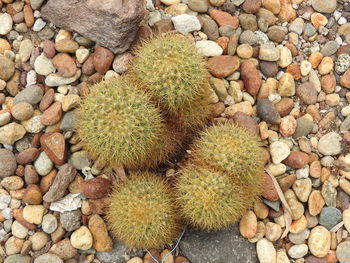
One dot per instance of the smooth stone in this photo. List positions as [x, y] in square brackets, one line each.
[208, 48]
[266, 251]
[48, 258]
[31, 94]
[186, 23]
[329, 217]
[279, 151]
[55, 80]
[343, 252]
[330, 144]
[267, 112]
[43, 165]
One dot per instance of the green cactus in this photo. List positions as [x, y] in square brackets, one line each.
[141, 212]
[172, 70]
[234, 150]
[209, 199]
[121, 127]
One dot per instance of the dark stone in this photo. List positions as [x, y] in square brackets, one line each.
[267, 111]
[304, 127]
[329, 217]
[111, 23]
[226, 245]
[268, 68]
[246, 121]
[307, 93]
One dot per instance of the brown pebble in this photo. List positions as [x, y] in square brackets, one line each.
[52, 115]
[32, 195]
[49, 48]
[22, 111]
[66, 45]
[47, 181]
[102, 59]
[284, 106]
[286, 182]
[148, 259]
[96, 188]
[30, 175]
[296, 159]
[18, 215]
[27, 156]
[47, 99]
[181, 259]
[65, 65]
[269, 191]
[28, 15]
[246, 121]
[251, 77]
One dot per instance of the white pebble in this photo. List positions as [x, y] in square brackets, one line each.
[39, 25]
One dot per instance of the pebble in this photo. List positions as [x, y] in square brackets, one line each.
[346, 219]
[324, 6]
[223, 18]
[79, 160]
[43, 65]
[299, 238]
[329, 217]
[25, 49]
[208, 48]
[7, 68]
[186, 23]
[251, 77]
[11, 133]
[223, 66]
[34, 213]
[55, 80]
[43, 165]
[248, 225]
[315, 202]
[266, 251]
[279, 151]
[343, 252]
[49, 223]
[8, 163]
[269, 52]
[18, 230]
[330, 144]
[70, 220]
[54, 146]
[81, 238]
[31, 94]
[342, 63]
[307, 93]
[64, 249]
[286, 85]
[65, 65]
[329, 48]
[302, 189]
[285, 57]
[267, 112]
[5, 23]
[98, 229]
[22, 111]
[298, 251]
[200, 6]
[96, 188]
[329, 193]
[38, 240]
[273, 231]
[319, 241]
[48, 258]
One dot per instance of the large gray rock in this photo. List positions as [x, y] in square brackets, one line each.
[111, 23]
[217, 247]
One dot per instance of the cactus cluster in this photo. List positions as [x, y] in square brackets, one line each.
[141, 119]
[172, 71]
[142, 213]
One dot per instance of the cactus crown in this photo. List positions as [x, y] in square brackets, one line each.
[118, 124]
[141, 212]
[209, 199]
[231, 149]
[172, 71]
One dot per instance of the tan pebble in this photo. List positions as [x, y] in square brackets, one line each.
[273, 231]
[298, 225]
[245, 51]
[82, 238]
[13, 245]
[260, 232]
[296, 207]
[166, 256]
[302, 188]
[70, 101]
[98, 228]
[34, 213]
[39, 240]
[315, 203]
[288, 126]
[305, 67]
[315, 59]
[319, 241]
[318, 20]
[248, 225]
[245, 107]
[326, 66]
[315, 169]
[180, 259]
[332, 99]
[260, 209]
